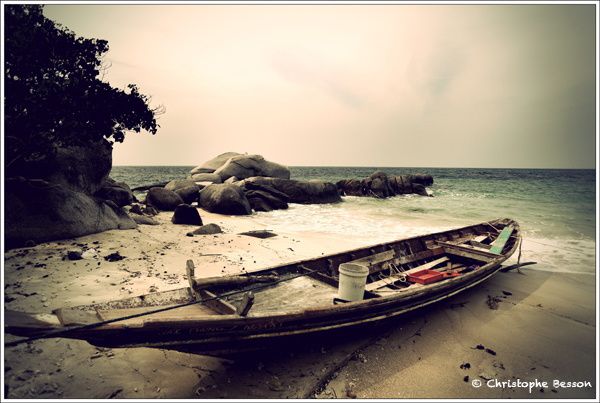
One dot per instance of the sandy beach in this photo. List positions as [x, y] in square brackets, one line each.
[428, 142]
[543, 328]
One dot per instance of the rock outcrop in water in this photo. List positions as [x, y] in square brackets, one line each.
[264, 185]
[240, 166]
[381, 185]
[301, 192]
[212, 165]
[233, 183]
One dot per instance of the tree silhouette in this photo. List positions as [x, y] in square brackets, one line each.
[53, 94]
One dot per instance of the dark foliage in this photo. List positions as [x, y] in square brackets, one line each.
[54, 94]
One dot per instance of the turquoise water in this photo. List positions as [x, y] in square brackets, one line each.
[555, 208]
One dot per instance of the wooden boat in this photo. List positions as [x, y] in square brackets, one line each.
[222, 315]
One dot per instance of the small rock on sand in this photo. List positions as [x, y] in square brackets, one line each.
[207, 229]
[143, 220]
[186, 214]
[74, 255]
[492, 302]
[113, 257]
[259, 234]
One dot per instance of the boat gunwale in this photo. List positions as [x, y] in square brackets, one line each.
[349, 307]
[400, 294]
[381, 306]
[329, 310]
[314, 329]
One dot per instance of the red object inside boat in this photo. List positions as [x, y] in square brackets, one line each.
[425, 276]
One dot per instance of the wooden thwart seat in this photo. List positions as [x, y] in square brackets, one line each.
[379, 261]
[468, 252]
[391, 279]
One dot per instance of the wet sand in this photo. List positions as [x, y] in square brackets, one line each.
[543, 328]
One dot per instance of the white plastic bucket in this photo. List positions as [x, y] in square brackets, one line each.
[353, 278]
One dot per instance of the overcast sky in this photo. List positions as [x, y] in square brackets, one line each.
[355, 85]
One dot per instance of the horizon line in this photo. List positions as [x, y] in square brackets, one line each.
[370, 166]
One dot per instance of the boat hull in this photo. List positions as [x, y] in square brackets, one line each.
[224, 334]
[248, 334]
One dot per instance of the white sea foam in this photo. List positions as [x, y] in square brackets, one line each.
[555, 208]
[376, 221]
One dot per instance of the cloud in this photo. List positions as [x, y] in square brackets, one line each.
[313, 72]
[432, 71]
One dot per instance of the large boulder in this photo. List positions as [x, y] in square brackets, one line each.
[420, 190]
[212, 165]
[351, 187]
[189, 194]
[224, 199]
[265, 198]
[250, 185]
[163, 199]
[303, 192]
[378, 185]
[401, 184]
[381, 185]
[206, 177]
[118, 192]
[259, 204]
[82, 168]
[422, 179]
[178, 184]
[40, 211]
[186, 214]
[143, 220]
[201, 170]
[207, 229]
[246, 166]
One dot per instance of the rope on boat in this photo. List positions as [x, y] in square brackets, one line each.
[62, 332]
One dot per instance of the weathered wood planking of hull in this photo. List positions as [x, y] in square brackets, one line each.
[220, 316]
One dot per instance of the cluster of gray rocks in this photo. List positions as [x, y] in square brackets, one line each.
[67, 202]
[237, 184]
[232, 184]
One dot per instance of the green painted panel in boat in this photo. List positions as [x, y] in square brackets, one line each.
[499, 243]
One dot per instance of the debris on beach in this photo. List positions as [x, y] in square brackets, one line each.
[259, 234]
[349, 389]
[492, 302]
[486, 376]
[113, 257]
[114, 393]
[74, 255]
[207, 229]
[275, 384]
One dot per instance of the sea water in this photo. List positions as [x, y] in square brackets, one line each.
[555, 208]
